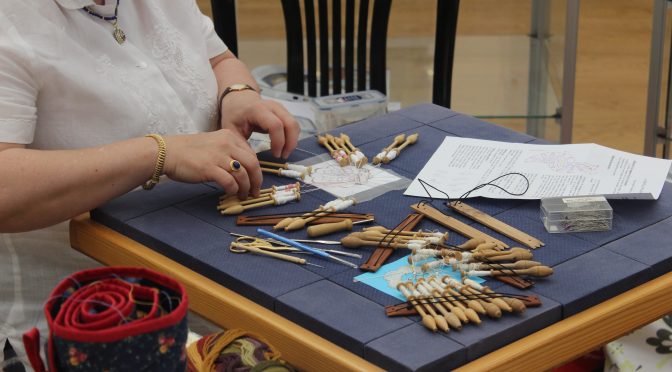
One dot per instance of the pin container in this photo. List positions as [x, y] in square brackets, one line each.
[576, 214]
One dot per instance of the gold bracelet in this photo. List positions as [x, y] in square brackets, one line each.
[160, 161]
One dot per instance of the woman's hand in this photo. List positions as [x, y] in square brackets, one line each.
[245, 112]
[207, 157]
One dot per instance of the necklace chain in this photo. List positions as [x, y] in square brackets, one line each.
[117, 33]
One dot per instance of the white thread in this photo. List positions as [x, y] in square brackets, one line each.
[478, 273]
[297, 167]
[283, 199]
[290, 173]
[427, 252]
[421, 242]
[474, 285]
[423, 290]
[431, 265]
[415, 245]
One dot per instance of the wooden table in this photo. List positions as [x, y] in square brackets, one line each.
[552, 346]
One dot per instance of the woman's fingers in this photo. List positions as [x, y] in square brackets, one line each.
[291, 129]
[223, 179]
[223, 157]
[249, 176]
[268, 122]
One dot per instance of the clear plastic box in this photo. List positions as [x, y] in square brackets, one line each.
[336, 110]
[576, 214]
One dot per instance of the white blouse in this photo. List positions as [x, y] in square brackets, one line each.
[65, 82]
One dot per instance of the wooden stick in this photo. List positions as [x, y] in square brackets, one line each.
[471, 244]
[397, 140]
[270, 170]
[409, 141]
[280, 256]
[237, 209]
[496, 225]
[324, 142]
[285, 222]
[537, 271]
[329, 228]
[332, 141]
[381, 254]
[383, 230]
[224, 206]
[455, 225]
[300, 223]
[341, 144]
[272, 164]
[374, 235]
[355, 242]
[346, 139]
[522, 264]
[265, 220]
[514, 254]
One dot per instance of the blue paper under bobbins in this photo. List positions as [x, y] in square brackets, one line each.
[113, 318]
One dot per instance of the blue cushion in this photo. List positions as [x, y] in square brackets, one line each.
[592, 278]
[139, 202]
[492, 334]
[426, 113]
[345, 318]
[467, 126]
[649, 246]
[205, 249]
[414, 348]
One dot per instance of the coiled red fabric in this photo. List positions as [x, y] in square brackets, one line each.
[114, 318]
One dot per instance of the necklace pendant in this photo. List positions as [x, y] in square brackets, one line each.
[118, 34]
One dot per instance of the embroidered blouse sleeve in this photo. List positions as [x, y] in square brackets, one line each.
[18, 87]
[214, 44]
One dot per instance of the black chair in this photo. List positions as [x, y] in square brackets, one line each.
[331, 70]
[224, 18]
[444, 50]
[344, 42]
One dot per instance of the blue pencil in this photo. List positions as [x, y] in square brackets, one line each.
[305, 247]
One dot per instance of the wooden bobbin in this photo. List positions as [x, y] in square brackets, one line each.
[470, 314]
[329, 228]
[494, 300]
[451, 318]
[380, 157]
[427, 320]
[440, 321]
[471, 303]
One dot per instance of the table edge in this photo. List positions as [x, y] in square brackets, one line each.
[549, 347]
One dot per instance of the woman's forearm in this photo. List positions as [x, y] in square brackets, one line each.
[39, 188]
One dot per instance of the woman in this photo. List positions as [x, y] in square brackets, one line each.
[82, 84]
